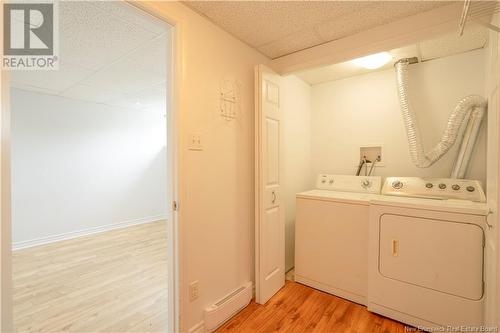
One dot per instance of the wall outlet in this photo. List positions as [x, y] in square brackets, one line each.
[195, 142]
[193, 290]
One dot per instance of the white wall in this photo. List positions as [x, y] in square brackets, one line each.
[78, 165]
[364, 110]
[216, 185]
[296, 99]
[492, 259]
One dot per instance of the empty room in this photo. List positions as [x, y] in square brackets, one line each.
[90, 198]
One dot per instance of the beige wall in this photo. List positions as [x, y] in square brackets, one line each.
[492, 259]
[297, 153]
[216, 187]
[364, 110]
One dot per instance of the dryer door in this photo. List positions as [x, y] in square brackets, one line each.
[440, 255]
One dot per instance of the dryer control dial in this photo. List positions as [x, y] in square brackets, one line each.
[366, 183]
[434, 188]
[397, 184]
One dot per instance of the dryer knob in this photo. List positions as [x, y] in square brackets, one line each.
[366, 183]
[455, 187]
[429, 185]
[471, 188]
[442, 186]
[397, 184]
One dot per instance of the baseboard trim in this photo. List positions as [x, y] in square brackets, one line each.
[198, 328]
[84, 232]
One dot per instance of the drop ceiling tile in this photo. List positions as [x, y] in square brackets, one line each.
[123, 78]
[145, 99]
[290, 44]
[92, 38]
[262, 22]
[57, 80]
[474, 37]
[152, 57]
[371, 15]
[91, 94]
[133, 15]
[22, 86]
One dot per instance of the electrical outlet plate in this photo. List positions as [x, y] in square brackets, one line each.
[193, 290]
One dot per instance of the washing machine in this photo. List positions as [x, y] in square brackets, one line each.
[331, 235]
[426, 252]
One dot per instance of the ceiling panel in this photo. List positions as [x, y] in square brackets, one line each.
[371, 15]
[474, 37]
[121, 77]
[92, 93]
[262, 22]
[141, 100]
[132, 15]
[92, 38]
[110, 51]
[278, 28]
[57, 80]
[152, 58]
[302, 39]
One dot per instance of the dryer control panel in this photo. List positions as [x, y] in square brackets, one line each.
[434, 188]
[347, 183]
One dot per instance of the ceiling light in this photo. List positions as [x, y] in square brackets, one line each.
[373, 61]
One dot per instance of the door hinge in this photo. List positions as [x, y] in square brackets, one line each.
[175, 206]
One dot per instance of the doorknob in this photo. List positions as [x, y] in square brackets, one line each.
[274, 197]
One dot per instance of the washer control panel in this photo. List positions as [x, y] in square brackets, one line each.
[434, 188]
[347, 183]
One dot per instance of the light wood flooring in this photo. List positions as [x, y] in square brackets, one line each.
[114, 281]
[297, 308]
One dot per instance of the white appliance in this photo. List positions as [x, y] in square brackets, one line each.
[331, 235]
[426, 255]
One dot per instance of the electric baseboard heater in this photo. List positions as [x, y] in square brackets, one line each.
[225, 308]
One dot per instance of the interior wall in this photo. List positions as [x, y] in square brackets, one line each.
[216, 184]
[296, 101]
[492, 259]
[364, 110]
[80, 166]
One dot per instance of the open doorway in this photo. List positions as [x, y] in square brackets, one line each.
[91, 176]
[335, 150]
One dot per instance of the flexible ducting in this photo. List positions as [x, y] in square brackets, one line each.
[470, 109]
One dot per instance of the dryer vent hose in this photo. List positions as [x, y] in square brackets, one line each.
[470, 109]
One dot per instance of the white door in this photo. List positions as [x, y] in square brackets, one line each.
[269, 215]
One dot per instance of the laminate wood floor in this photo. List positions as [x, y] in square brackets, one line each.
[298, 308]
[114, 281]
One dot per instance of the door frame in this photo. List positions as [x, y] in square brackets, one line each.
[174, 247]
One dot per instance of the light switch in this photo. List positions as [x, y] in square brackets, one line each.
[195, 142]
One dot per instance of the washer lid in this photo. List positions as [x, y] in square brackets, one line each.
[450, 205]
[347, 197]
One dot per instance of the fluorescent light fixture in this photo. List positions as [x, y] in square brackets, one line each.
[373, 61]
